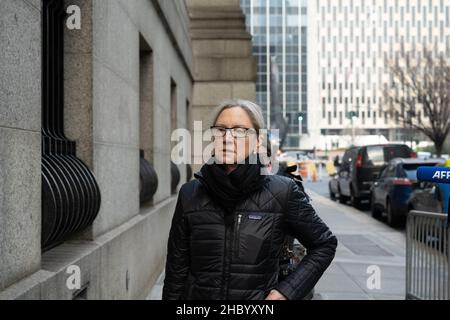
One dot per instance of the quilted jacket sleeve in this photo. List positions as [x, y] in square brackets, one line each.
[177, 263]
[303, 223]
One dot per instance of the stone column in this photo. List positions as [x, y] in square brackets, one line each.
[20, 140]
[224, 66]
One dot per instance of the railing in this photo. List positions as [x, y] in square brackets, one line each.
[427, 256]
[70, 194]
[148, 180]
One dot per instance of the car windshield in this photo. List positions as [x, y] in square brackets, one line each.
[411, 169]
[375, 156]
[379, 156]
[396, 152]
[294, 154]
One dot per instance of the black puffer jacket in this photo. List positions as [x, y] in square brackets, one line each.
[209, 259]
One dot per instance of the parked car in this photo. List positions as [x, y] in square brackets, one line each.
[390, 193]
[424, 155]
[431, 197]
[360, 167]
[428, 197]
[292, 154]
[333, 186]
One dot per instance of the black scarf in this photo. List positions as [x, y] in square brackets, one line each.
[229, 189]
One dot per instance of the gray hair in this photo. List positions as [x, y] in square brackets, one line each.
[253, 110]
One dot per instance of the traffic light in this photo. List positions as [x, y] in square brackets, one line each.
[301, 116]
[352, 114]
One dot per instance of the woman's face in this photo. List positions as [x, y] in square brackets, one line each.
[233, 150]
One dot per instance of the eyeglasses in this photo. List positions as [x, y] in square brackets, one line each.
[220, 132]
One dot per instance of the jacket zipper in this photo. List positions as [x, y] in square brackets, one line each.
[237, 235]
[225, 267]
[229, 254]
[229, 238]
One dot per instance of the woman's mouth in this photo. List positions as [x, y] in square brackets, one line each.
[227, 151]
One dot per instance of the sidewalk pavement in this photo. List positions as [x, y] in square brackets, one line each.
[156, 293]
[363, 242]
[365, 245]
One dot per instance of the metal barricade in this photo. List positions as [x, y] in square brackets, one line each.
[427, 256]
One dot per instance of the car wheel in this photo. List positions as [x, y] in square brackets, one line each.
[342, 199]
[332, 194]
[356, 202]
[373, 208]
[393, 219]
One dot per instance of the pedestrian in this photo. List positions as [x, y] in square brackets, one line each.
[230, 222]
[337, 161]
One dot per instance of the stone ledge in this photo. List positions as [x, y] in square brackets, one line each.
[234, 69]
[216, 12]
[218, 34]
[92, 257]
[222, 48]
[227, 24]
[30, 286]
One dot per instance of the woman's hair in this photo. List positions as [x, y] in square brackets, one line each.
[253, 110]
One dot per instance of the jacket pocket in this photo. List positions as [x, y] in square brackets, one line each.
[252, 238]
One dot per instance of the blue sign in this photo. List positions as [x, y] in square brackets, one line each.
[434, 174]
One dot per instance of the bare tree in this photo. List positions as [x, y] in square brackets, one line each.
[419, 94]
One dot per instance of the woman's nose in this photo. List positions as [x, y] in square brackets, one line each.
[229, 136]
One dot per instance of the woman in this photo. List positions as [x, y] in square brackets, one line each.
[230, 223]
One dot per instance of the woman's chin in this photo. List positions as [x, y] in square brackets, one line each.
[227, 159]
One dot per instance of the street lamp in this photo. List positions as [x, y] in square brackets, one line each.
[301, 117]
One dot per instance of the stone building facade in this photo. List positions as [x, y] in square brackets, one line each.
[133, 73]
[224, 66]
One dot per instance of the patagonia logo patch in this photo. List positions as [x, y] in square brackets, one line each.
[255, 217]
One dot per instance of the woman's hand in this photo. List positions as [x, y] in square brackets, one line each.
[275, 295]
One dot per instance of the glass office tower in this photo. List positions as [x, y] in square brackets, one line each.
[280, 45]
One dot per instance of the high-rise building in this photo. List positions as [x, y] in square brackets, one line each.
[355, 41]
[340, 66]
[279, 29]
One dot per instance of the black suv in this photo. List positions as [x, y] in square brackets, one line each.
[361, 166]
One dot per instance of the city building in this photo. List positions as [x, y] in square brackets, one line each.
[355, 41]
[280, 38]
[87, 188]
[348, 46]
[224, 66]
